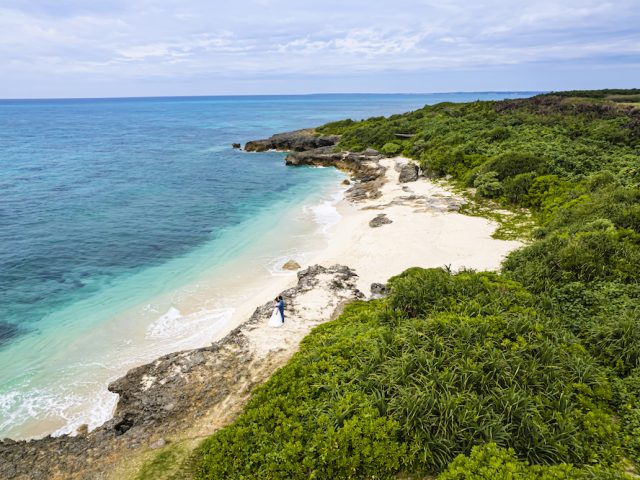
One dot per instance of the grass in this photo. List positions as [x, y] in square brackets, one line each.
[172, 462]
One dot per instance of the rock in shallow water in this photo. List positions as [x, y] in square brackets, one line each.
[291, 265]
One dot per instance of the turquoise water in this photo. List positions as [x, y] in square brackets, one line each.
[121, 222]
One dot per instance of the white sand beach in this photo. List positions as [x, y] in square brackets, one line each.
[425, 231]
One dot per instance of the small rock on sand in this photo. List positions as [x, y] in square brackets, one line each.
[380, 220]
[346, 182]
[291, 265]
[378, 290]
[161, 442]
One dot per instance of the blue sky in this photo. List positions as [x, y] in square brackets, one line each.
[103, 48]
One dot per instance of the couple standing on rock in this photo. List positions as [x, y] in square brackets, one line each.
[277, 317]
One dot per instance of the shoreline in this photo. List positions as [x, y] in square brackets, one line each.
[191, 394]
[193, 314]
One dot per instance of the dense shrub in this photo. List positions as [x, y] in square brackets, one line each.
[447, 362]
[490, 462]
[391, 148]
[488, 185]
[516, 189]
[510, 164]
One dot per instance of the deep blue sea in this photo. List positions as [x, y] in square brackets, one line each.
[108, 207]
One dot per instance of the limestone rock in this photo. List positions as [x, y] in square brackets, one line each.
[291, 265]
[236, 145]
[408, 173]
[378, 290]
[380, 220]
[297, 141]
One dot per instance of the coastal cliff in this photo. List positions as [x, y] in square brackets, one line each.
[195, 391]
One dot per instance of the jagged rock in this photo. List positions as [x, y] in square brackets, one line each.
[378, 290]
[291, 265]
[408, 173]
[309, 149]
[380, 220]
[297, 141]
[364, 167]
[364, 191]
[236, 145]
[321, 156]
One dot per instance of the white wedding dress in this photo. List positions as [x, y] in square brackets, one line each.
[276, 318]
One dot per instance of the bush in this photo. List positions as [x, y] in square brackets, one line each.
[490, 462]
[391, 148]
[488, 185]
[510, 164]
[516, 189]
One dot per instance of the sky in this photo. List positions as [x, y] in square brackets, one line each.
[116, 48]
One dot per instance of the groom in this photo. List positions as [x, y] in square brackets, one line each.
[281, 307]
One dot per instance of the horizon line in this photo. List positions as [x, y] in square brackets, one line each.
[248, 95]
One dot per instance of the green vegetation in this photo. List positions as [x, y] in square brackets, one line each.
[490, 462]
[530, 373]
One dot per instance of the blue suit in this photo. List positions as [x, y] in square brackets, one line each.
[281, 308]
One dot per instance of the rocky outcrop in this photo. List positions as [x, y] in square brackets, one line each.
[195, 391]
[380, 220]
[306, 148]
[364, 167]
[296, 141]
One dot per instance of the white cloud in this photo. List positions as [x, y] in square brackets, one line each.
[120, 41]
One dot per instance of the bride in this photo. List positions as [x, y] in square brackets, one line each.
[276, 319]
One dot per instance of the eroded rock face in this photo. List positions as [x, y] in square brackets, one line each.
[364, 167]
[307, 149]
[297, 141]
[201, 389]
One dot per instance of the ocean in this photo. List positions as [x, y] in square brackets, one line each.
[130, 228]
